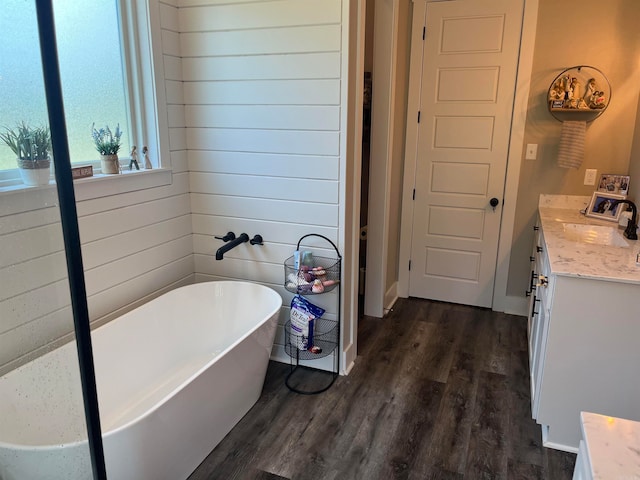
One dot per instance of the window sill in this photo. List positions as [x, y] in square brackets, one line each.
[22, 198]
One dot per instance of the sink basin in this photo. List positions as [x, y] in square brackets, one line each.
[594, 234]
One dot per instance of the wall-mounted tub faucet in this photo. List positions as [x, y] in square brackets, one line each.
[231, 244]
[632, 227]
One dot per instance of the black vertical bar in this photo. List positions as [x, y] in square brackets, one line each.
[70, 231]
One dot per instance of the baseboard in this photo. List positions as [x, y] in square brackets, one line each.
[390, 297]
[556, 446]
[278, 355]
[348, 360]
[512, 305]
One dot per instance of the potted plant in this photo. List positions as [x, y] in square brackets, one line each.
[107, 144]
[32, 146]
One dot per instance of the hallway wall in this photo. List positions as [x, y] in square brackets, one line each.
[611, 42]
[634, 163]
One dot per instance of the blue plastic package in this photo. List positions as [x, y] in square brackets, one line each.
[303, 315]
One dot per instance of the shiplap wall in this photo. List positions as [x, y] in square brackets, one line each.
[135, 245]
[262, 98]
[253, 105]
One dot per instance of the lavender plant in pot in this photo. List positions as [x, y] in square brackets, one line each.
[32, 147]
[107, 144]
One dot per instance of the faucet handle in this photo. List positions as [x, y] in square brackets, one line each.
[256, 240]
[228, 237]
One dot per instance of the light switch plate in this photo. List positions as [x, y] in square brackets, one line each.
[590, 176]
[532, 151]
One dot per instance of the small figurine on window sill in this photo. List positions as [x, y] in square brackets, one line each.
[147, 162]
[134, 158]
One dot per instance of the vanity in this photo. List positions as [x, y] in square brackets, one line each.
[583, 322]
[609, 448]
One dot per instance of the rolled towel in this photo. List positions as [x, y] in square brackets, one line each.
[571, 150]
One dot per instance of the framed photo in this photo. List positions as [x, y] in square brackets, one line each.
[601, 206]
[616, 184]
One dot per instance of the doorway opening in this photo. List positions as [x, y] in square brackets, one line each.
[366, 152]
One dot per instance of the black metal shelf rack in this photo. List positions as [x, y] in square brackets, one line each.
[326, 335]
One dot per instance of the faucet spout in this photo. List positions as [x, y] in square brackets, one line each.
[231, 244]
[632, 226]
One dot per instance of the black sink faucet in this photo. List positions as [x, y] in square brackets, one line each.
[231, 244]
[630, 232]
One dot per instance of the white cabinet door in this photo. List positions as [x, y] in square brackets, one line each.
[539, 334]
[582, 470]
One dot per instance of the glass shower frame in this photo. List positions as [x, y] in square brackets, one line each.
[18, 309]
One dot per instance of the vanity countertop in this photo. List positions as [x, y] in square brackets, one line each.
[577, 259]
[613, 446]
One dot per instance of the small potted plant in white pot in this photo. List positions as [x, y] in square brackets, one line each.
[31, 146]
[107, 144]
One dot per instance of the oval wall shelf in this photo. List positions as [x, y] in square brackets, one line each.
[579, 93]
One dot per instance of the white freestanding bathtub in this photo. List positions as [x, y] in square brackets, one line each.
[174, 376]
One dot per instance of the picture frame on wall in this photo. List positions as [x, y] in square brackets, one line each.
[601, 206]
[615, 184]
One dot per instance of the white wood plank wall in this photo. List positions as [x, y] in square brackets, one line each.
[135, 245]
[262, 108]
[253, 93]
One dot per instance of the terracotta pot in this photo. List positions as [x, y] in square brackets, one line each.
[35, 173]
[110, 164]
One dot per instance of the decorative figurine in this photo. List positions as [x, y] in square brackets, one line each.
[597, 100]
[590, 89]
[575, 88]
[566, 83]
[582, 105]
[147, 162]
[571, 103]
[134, 158]
[557, 91]
[601, 102]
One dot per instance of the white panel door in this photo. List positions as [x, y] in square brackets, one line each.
[469, 65]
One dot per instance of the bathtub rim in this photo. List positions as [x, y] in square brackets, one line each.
[178, 388]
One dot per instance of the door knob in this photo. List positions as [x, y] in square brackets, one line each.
[494, 203]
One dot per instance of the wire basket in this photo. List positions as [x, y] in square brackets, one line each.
[315, 274]
[325, 340]
[304, 280]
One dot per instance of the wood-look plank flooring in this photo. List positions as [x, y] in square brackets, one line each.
[438, 391]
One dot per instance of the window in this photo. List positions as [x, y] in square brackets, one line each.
[91, 49]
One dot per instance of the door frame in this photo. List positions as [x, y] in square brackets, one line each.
[501, 301]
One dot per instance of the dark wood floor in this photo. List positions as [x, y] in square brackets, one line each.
[438, 391]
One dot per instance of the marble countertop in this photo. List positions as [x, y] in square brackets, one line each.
[613, 445]
[569, 257]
